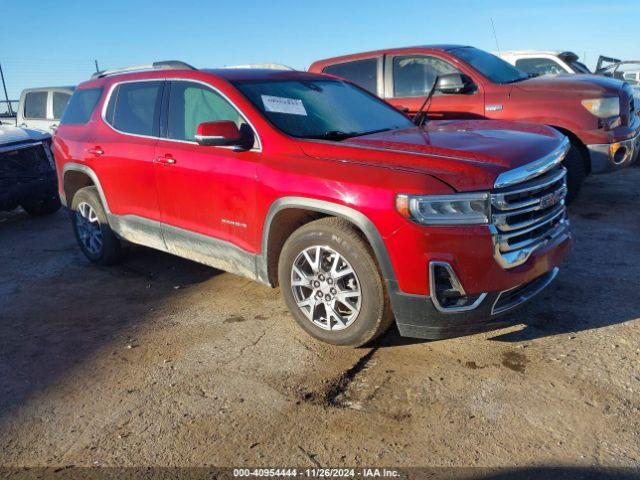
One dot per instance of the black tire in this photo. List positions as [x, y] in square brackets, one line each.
[576, 172]
[375, 315]
[111, 250]
[45, 205]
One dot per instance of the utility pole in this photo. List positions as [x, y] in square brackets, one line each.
[6, 96]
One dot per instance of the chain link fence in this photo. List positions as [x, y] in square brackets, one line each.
[8, 108]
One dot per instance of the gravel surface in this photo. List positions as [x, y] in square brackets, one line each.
[161, 361]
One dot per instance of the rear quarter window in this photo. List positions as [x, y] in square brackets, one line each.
[81, 106]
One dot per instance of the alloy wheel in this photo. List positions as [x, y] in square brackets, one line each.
[326, 288]
[88, 228]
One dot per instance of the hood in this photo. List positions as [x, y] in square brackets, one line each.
[10, 135]
[590, 85]
[468, 155]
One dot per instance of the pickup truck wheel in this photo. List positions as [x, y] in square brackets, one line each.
[576, 172]
[332, 285]
[42, 206]
[96, 239]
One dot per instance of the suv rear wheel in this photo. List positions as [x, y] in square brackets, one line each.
[96, 239]
[332, 285]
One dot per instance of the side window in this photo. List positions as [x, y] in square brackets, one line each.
[361, 72]
[134, 107]
[81, 106]
[191, 104]
[35, 105]
[414, 76]
[539, 66]
[60, 100]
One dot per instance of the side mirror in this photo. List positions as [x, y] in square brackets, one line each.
[223, 134]
[453, 83]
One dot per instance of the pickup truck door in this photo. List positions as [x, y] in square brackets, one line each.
[409, 77]
[206, 194]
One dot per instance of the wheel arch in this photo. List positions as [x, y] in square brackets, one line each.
[575, 140]
[290, 213]
[76, 176]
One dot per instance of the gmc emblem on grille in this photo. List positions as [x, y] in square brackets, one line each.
[551, 198]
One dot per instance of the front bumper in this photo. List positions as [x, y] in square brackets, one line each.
[607, 157]
[15, 193]
[418, 316]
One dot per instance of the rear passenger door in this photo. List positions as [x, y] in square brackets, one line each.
[123, 157]
[202, 189]
[409, 78]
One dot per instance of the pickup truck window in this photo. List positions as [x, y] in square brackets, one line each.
[414, 76]
[81, 106]
[35, 105]
[360, 72]
[134, 107]
[191, 104]
[495, 69]
[327, 109]
[60, 100]
[539, 66]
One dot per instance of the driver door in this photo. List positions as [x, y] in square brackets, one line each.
[409, 78]
[203, 191]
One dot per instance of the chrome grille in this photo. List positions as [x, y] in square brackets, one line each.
[527, 215]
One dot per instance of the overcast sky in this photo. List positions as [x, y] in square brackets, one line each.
[55, 43]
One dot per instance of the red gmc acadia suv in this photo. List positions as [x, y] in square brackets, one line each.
[598, 114]
[311, 183]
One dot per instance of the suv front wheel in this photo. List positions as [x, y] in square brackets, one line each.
[95, 238]
[332, 284]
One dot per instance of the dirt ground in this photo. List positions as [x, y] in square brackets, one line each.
[160, 361]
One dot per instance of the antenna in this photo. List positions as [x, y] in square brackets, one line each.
[96, 62]
[495, 36]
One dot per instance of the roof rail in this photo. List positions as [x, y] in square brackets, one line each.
[267, 66]
[164, 65]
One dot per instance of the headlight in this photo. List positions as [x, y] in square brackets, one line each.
[458, 209]
[603, 107]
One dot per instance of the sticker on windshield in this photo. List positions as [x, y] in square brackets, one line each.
[291, 106]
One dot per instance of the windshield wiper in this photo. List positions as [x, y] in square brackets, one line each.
[340, 135]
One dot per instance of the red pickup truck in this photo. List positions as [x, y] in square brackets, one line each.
[597, 114]
[311, 183]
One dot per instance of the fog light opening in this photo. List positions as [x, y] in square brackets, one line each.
[619, 153]
[447, 292]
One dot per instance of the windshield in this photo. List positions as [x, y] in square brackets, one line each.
[328, 109]
[492, 67]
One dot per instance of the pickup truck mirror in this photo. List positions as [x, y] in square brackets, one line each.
[223, 134]
[452, 83]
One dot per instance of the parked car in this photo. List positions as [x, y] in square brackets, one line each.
[311, 183]
[597, 114]
[42, 108]
[27, 171]
[539, 62]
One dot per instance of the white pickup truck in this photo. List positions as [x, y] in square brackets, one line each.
[42, 108]
[538, 62]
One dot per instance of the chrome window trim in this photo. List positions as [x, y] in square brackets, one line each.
[113, 86]
[535, 168]
[455, 283]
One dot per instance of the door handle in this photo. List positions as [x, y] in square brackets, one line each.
[96, 151]
[166, 160]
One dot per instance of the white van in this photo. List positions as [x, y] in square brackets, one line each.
[42, 108]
